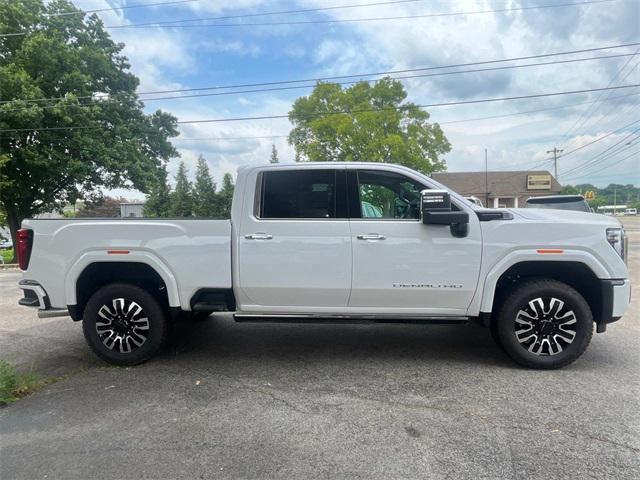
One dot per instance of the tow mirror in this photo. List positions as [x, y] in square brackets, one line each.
[436, 210]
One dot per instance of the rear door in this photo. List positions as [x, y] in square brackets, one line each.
[401, 265]
[294, 250]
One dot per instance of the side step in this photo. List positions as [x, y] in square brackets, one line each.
[348, 319]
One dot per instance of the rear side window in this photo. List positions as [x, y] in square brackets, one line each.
[298, 194]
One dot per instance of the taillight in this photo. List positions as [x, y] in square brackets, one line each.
[25, 242]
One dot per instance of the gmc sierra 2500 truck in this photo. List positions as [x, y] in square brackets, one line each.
[344, 242]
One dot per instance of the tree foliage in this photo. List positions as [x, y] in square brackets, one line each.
[158, 202]
[205, 200]
[226, 195]
[72, 61]
[102, 207]
[366, 122]
[181, 200]
[274, 155]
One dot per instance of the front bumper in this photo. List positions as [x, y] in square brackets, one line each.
[615, 298]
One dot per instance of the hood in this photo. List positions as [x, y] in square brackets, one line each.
[564, 216]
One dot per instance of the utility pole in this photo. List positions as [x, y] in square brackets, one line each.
[555, 152]
[486, 179]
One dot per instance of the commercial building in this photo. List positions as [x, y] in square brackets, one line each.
[501, 189]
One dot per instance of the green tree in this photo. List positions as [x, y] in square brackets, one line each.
[205, 200]
[158, 202]
[181, 200]
[106, 207]
[366, 123]
[90, 133]
[225, 196]
[274, 155]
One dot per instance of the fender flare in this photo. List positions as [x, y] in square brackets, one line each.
[134, 256]
[532, 255]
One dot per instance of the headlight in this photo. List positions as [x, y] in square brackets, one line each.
[618, 240]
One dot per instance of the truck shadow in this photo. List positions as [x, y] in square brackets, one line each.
[219, 337]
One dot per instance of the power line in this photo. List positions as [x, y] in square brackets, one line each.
[125, 7]
[474, 119]
[401, 107]
[603, 155]
[373, 19]
[598, 139]
[607, 166]
[261, 14]
[432, 105]
[359, 75]
[296, 87]
[585, 115]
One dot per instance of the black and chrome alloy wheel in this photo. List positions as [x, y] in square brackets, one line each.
[543, 323]
[125, 324]
[122, 325]
[545, 326]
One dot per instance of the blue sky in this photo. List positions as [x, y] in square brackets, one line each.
[174, 58]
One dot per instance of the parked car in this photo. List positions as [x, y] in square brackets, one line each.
[576, 203]
[631, 211]
[348, 242]
[475, 201]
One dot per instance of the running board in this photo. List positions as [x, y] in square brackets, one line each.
[348, 319]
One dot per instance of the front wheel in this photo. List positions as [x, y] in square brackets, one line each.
[544, 324]
[124, 324]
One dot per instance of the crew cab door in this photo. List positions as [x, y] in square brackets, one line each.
[401, 265]
[294, 242]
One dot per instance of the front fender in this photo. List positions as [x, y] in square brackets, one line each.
[533, 255]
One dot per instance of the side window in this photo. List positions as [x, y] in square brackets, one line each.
[388, 195]
[298, 194]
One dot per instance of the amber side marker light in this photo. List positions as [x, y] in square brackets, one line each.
[117, 252]
[550, 250]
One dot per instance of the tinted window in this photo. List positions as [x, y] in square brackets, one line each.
[298, 194]
[388, 195]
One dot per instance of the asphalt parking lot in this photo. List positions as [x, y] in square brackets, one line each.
[231, 400]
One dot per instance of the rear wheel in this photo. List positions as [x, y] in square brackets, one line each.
[544, 324]
[124, 324]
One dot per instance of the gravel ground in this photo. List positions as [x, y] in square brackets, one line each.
[231, 400]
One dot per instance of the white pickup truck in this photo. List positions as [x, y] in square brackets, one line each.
[338, 242]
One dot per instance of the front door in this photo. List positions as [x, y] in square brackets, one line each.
[295, 243]
[401, 265]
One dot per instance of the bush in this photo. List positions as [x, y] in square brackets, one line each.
[6, 254]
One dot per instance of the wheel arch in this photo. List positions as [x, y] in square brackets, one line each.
[92, 272]
[576, 274]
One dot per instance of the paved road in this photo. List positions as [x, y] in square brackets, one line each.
[288, 401]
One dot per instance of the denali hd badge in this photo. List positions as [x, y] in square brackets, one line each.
[447, 286]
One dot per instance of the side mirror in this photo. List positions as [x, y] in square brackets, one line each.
[436, 210]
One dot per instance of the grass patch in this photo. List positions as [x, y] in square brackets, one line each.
[6, 254]
[14, 385]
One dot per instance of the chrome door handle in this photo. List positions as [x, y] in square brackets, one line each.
[371, 236]
[258, 236]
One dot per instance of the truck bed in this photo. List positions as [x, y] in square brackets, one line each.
[196, 253]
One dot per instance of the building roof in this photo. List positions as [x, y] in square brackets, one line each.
[505, 184]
